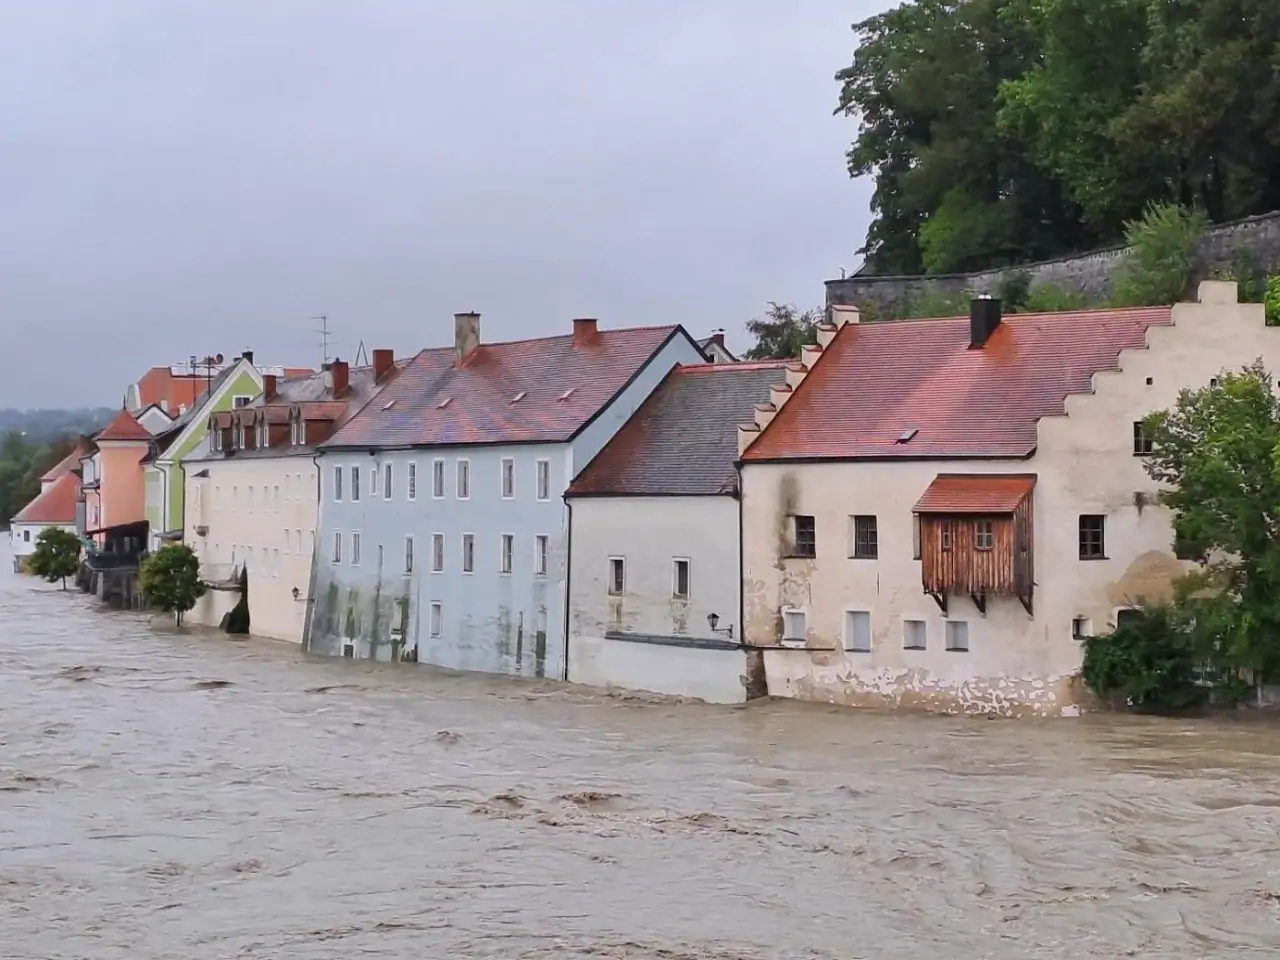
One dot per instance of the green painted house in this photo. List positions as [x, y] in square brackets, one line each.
[235, 386]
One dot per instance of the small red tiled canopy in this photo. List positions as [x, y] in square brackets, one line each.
[976, 493]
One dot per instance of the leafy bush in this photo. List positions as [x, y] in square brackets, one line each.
[1161, 262]
[170, 579]
[1271, 300]
[1014, 289]
[935, 304]
[1050, 298]
[1149, 661]
[57, 555]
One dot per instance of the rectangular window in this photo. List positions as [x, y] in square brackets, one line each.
[946, 535]
[984, 534]
[540, 555]
[355, 549]
[958, 636]
[680, 579]
[857, 631]
[508, 478]
[1093, 536]
[795, 626]
[804, 537]
[355, 484]
[463, 490]
[1141, 442]
[275, 496]
[865, 538]
[337, 483]
[468, 552]
[408, 554]
[508, 553]
[1081, 627]
[617, 576]
[437, 479]
[437, 615]
[437, 553]
[915, 536]
[387, 486]
[250, 495]
[337, 546]
[544, 480]
[373, 481]
[413, 481]
[914, 635]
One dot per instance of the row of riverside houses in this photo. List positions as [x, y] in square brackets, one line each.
[917, 513]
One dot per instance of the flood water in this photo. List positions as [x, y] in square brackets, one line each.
[183, 795]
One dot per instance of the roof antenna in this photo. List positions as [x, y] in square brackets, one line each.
[324, 335]
[361, 352]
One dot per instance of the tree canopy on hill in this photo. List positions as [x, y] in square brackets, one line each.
[1007, 131]
[22, 463]
[46, 426]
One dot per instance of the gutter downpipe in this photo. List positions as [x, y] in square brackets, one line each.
[311, 575]
[568, 575]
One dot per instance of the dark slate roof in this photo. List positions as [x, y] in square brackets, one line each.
[527, 391]
[683, 441]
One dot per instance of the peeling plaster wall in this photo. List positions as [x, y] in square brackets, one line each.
[649, 533]
[1017, 664]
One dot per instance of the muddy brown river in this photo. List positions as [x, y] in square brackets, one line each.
[183, 795]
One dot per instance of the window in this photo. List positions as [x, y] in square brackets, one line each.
[617, 576]
[437, 553]
[508, 553]
[1141, 442]
[463, 489]
[795, 626]
[275, 498]
[275, 561]
[241, 400]
[915, 536]
[337, 547]
[437, 479]
[540, 555]
[373, 481]
[26, 536]
[857, 631]
[408, 554]
[680, 579]
[249, 497]
[468, 552]
[413, 481]
[914, 635]
[958, 636]
[1081, 627]
[1092, 536]
[437, 614]
[544, 480]
[984, 535]
[355, 484]
[865, 543]
[804, 537]
[946, 534]
[387, 487]
[355, 549]
[1127, 617]
[508, 478]
[337, 483]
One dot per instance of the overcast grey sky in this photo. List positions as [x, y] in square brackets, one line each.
[181, 177]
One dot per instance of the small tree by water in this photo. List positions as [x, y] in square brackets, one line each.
[57, 555]
[170, 580]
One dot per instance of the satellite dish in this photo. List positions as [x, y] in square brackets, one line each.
[218, 359]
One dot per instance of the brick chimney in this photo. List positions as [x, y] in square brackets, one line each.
[341, 374]
[248, 355]
[984, 317]
[269, 387]
[466, 335]
[383, 361]
[584, 330]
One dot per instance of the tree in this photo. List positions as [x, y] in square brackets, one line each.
[1218, 450]
[57, 555]
[782, 332]
[170, 579]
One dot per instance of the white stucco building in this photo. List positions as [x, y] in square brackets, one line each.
[54, 506]
[936, 511]
[655, 599]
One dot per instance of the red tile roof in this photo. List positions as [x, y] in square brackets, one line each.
[976, 493]
[56, 505]
[527, 391]
[68, 463]
[322, 409]
[877, 381]
[124, 427]
[683, 440]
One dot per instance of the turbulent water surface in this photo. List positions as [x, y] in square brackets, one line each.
[183, 795]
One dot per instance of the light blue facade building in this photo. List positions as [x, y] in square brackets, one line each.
[442, 533]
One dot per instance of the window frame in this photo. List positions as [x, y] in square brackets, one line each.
[507, 478]
[439, 472]
[411, 481]
[1084, 538]
[924, 633]
[335, 551]
[847, 637]
[676, 563]
[542, 481]
[811, 539]
[468, 553]
[616, 585]
[462, 479]
[984, 534]
[337, 483]
[408, 554]
[787, 638]
[355, 548]
[435, 618]
[388, 481]
[437, 553]
[858, 527]
[355, 484]
[1142, 444]
[506, 553]
[949, 629]
[541, 554]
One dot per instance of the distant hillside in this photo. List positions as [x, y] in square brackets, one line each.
[43, 426]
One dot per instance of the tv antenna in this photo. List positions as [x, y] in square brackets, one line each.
[325, 336]
[362, 355]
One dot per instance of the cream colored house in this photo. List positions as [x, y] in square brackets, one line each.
[251, 494]
[935, 512]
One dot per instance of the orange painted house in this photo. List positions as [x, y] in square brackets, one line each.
[120, 496]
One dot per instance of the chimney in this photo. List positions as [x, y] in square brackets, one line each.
[341, 374]
[383, 361]
[466, 335]
[984, 317]
[717, 337]
[584, 330]
[248, 355]
[269, 387]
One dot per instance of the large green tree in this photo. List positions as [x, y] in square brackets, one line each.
[781, 332]
[57, 555]
[170, 579]
[22, 463]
